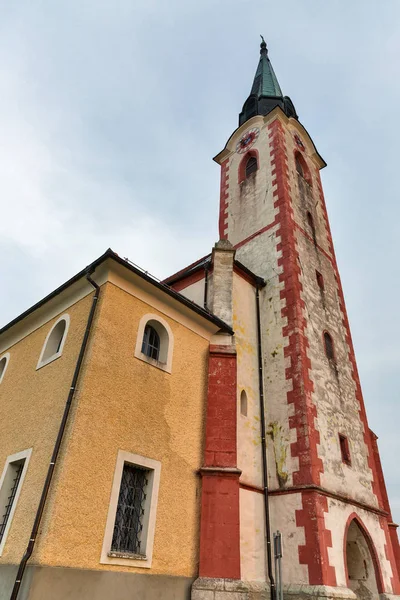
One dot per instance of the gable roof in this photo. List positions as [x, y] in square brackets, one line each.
[109, 254]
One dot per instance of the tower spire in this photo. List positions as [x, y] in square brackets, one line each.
[266, 92]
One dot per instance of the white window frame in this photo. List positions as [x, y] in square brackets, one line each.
[24, 454]
[150, 510]
[41, 362]
[164, 366]
[7, 357]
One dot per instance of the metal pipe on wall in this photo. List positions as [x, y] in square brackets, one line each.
[53, 460]
[264, 448]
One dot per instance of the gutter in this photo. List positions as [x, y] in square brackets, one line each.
[60, 435]
[264, 448]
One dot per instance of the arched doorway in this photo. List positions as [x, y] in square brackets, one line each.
[363, 573]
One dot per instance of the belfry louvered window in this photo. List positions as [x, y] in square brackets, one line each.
[251, 166]
[151, 343]
[13, 477]
[130, 511]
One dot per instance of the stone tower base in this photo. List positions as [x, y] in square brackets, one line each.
[233, 589]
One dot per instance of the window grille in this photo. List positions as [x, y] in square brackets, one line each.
[130, 511]
[17, 467]
[151, 342]
[251, 166]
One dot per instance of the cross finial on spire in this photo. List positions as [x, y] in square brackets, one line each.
[263, 45]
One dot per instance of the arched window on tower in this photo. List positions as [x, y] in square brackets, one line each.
[311, 225]
[299, 166]
[251, 166]
[329, 348]
[151, 342]
[302, 168]
[243, 403]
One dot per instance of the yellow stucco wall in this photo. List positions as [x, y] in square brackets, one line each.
[31, 405]
[126, 404]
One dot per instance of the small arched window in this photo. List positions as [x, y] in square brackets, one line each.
[54, 343]
[311, 225]
[299, 166]
[151, 343]
[243, 403]
[302, 168]
[154, 342]
[251, 166]
[3, 365]
[329, 348]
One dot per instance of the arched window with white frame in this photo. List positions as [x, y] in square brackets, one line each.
[3, 365]
[54, 342]
[154, 342]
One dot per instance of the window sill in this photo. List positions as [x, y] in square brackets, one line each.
[154, 363]
[127, 555]
[48, 360]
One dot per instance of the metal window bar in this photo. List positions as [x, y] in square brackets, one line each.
[130, 511]
[251, 165]
[151, 342]
[10, 500]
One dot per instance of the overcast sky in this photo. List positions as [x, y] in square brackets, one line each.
[111, 112]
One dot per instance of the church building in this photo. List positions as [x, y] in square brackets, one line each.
[155, 436]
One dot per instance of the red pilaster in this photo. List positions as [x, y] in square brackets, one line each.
[219, 528]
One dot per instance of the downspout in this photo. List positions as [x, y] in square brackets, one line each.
[206, 270]
[53, 461]
[264, 448]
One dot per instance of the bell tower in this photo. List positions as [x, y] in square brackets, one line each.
[325, 487]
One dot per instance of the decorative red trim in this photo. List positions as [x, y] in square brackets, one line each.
[243, 163]
[251, 488]
[220, 524]
[224, 200]
[371, 547]
[182, 272]
[259, 232]
[314, 554]
[328, 494]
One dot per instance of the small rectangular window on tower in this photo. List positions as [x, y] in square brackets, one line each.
[320, 280]
[344, 449]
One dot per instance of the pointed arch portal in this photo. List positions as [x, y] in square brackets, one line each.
[364, 576]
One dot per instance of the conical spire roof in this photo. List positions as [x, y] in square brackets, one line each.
[266, 92]
[265, 81]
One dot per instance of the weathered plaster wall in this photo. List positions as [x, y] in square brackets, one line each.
[250, 203]
[195, 292]
[31, 405]
[245, 327]
[125, 403]
[334, 387]
[283, 518]
[252, 536]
